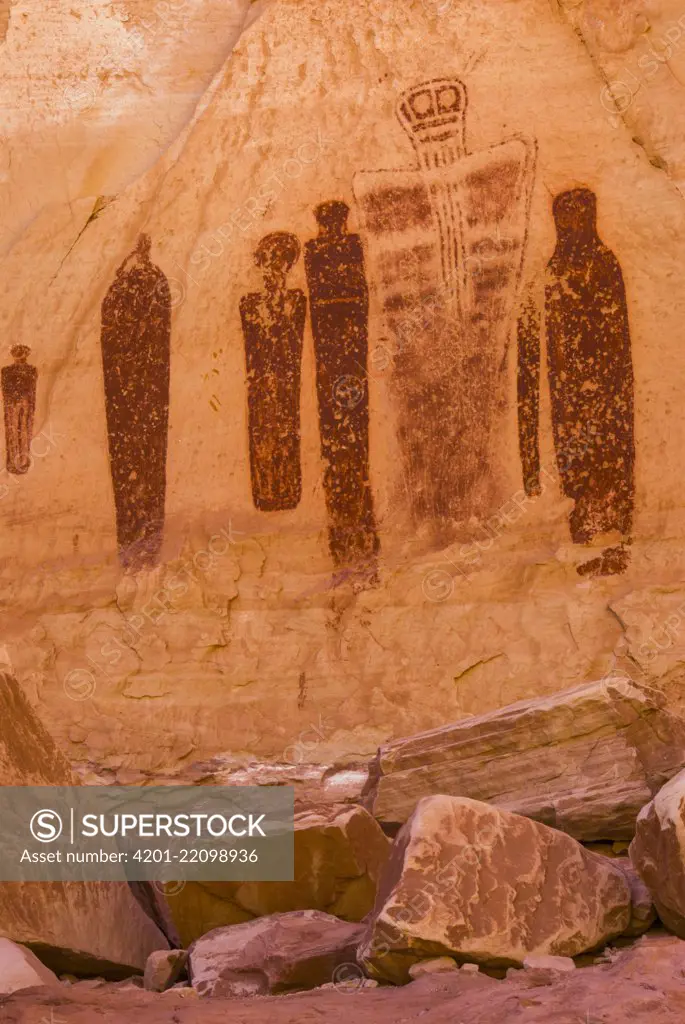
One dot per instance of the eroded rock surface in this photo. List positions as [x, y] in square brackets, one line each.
[340, 852]
[584, 761]
[283, 952]
[91, 927]
[658, 852]
[20, 968]
[480, 884]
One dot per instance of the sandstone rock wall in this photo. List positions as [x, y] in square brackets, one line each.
[251, 625]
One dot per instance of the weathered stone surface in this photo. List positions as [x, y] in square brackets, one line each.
[481, 884]
[20, 968]
[164, 968]
[642, 910]
[314, 784]
[470, 610]
[584, 761]
[90, 120]
[84, 928]
[658, 852]
[548, 963]
[280, 953]
[339, 854]
[439, 965]
[644, 983]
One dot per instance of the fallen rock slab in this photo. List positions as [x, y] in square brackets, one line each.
[658, 852]
[279, 953]
[484, 885]
[20, 969]
[584, 761]
[75, 927]
[340, 851]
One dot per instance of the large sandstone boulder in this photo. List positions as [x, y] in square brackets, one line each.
[658, 852]
[281, 953]
[76, 927]
[486, 886]
[584, 761]
[20, 969]
[340, 852]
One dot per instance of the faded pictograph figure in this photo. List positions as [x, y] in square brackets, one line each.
[528, 392]
[591, 384]
[273, 323]
[135, 340]
[446, 243]
[19, 399]
[339, 308]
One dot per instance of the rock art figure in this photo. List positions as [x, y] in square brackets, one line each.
[135, 339]
[591, 382]
[590, 378]
[528, 390]
[446, 243]
[339, 304]
[273, 327]
[19, 398]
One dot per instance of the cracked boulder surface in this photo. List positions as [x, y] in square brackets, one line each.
[340, 852]
[584, 761]
[246, 641]
[489, 887]
[658, 852]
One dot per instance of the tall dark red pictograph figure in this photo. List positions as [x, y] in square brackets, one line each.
[591, 379]
[339, 308]
[19, 399]
[135, 339]
[273, 327]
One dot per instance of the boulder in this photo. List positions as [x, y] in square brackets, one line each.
[584, 761]
[439, 965]
[279, 953]
[549, 963]
[339, 854]
[75, 927]
[642, 910]
[658, 852]
[487, 886]
[163, 969]
[20, 968]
